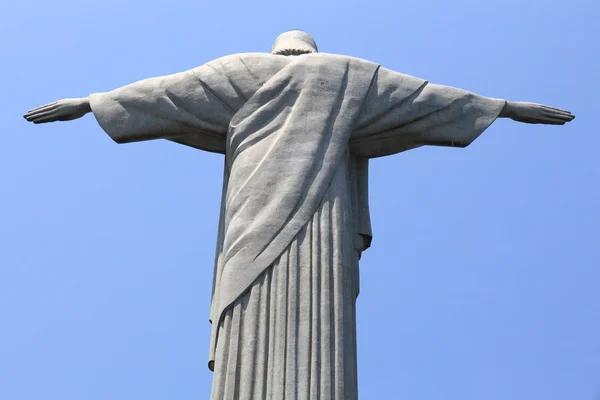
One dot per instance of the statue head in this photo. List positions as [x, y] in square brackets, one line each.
[294, 43]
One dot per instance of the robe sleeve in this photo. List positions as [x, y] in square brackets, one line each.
[402, 112]
[186, 108]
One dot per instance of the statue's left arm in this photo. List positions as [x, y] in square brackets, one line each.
[402, 112]
[185, 107]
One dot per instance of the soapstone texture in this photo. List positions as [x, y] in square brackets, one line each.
[297, 129]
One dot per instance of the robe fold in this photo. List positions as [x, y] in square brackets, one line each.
[297, 133]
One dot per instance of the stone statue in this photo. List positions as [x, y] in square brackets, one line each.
[297, 129]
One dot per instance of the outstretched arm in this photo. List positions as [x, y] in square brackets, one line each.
[403, 112]
[532, 113]
[187, 108]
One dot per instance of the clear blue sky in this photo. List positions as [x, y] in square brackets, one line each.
[483, 281]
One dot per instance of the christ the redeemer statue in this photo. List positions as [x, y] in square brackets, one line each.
[297, 128]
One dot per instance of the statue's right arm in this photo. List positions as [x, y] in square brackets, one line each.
[403, 112]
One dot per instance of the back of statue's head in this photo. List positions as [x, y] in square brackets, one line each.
[294, 42]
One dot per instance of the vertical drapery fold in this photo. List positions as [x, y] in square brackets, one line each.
[292, 335]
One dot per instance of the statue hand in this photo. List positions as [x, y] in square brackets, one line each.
[532, 113]
[62, 110]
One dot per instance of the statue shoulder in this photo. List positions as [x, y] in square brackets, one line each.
[254, 64]
[341, 58]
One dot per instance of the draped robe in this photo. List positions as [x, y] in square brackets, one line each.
[297, 133]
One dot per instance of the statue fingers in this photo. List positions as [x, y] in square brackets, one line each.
[40, 108]
[47, 116]
[34, 115]
[564, 116]
[555, 109]
[543, 118]
[553, 120]
[556, 113]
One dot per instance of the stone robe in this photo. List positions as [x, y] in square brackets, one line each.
[297, 133]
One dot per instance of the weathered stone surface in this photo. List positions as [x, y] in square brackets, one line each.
[297, 128]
